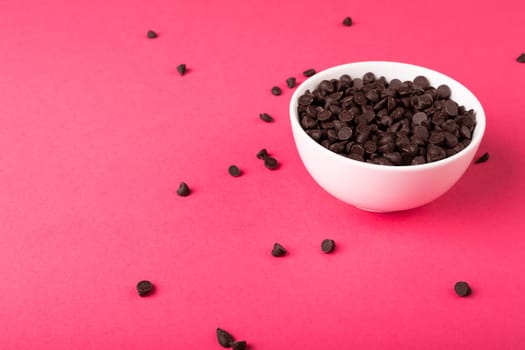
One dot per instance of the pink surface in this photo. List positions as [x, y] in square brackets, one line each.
[97, 129]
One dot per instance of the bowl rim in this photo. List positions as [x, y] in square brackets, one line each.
[309, 84]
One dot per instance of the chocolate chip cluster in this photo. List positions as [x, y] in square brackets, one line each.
[388, 123]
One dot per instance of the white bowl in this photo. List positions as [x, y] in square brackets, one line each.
[383, 188]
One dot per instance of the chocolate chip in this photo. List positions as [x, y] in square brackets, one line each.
[451, 108]
[421, 82]
[370, 147]
[262, 154]
[418, 160]
[344, 133]
[276, 91]
[309, 72]
[450, 139]
[419, 117]
[290, 82]
[435, 153]
[443, 91]
[238, 345]
[152, 34]
[266, 117]
[144, 288]
[369, 78]
[234, 171]
[482, 159]
[465, 132]
[224, 338]
[328, 246]
[183, 190]
[181, 68]
[521, 58]
[278, 250]
[271, 163]
[347, 21]
[462, 289]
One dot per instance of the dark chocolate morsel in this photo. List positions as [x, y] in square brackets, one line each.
[262, 154]
[144, 288]
[224, 338]
[181, 68]
[327, 245]
[309, 72]
[271, 163]
[290, 82]
[152, 34]
[462, 289]
[483, 158]
[276, 91]
[266, 117]
[234, 171]
[278, 250]
[238, 345]
[183, 190]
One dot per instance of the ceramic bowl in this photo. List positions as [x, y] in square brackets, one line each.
[384, 188]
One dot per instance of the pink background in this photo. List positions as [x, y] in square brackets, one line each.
[97, 129]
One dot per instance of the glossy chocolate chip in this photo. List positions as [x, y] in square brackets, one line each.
[347, 21]
[521, 58]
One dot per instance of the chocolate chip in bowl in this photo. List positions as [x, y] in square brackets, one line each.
[385, 136]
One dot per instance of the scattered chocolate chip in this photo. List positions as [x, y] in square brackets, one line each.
[347, 21]
[266, 117]
[224, 338]
[483, 158]
[290, 82]
[521, 58]
[152, 34]
[327, 245]
[181, 68]
[238, 345]
[234, 171]
[276, 91]
[309, 72]
[262, 154]
[278, 250]
[183, 190]
[271, 163]
[462, 289]
[144, 288]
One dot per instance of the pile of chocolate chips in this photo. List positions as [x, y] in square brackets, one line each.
[388, 123]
